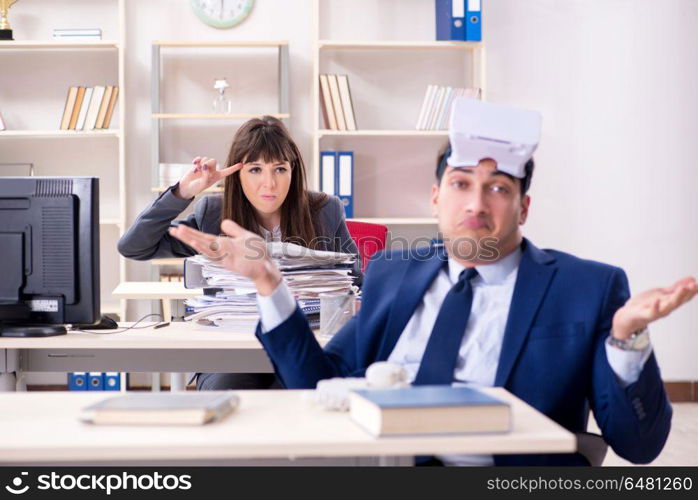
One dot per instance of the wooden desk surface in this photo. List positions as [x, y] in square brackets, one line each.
[154, 290]
[177, 335]
[268, 424]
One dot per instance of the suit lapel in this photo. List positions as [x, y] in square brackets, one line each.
[419, 275]
[532, 282]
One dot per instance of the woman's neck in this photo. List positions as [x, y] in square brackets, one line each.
[269, 221]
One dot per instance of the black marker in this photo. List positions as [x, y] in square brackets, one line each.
[161, 325]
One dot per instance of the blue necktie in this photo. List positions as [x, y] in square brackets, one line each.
[441, 353]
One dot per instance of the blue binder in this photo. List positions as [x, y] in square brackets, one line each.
[345, 181]
[450, 19]
[95, 381]
[112, 381]
[473, 29]
[77, 381]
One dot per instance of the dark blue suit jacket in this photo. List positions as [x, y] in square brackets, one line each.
[553, 354]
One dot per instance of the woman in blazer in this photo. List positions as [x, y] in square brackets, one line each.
[265, 192]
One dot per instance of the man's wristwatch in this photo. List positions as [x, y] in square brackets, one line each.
[636, 342]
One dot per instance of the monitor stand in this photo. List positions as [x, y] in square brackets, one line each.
[32, 330]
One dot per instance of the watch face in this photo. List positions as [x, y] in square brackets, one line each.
[641, 340]
[222, 13]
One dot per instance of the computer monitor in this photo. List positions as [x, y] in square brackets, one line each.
[49, 254]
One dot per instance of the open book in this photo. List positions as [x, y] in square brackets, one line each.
[162, 408]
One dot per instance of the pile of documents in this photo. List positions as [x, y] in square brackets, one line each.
[230, 300]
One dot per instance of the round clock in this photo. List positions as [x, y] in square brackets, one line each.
[222, 13]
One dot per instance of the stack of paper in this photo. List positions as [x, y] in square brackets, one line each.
[231, 299]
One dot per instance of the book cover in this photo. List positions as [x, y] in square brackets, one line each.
[161, 408]
[83, 109]
[76, 108]
[104, 105]
[337, 102]
[347, 104]
[95, 103]
[68, 109]
[428, 410]
[423, 110]
[327, 108]
[110, 108]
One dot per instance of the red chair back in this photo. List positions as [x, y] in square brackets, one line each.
[369, 239]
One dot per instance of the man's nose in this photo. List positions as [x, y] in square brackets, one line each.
[476, 202]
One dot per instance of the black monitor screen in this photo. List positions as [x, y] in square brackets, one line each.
[49, 252]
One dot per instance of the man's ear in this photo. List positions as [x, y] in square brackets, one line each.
[434, 200]
[525, 204]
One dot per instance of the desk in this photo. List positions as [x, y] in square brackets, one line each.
[268, 425]
[178, 348]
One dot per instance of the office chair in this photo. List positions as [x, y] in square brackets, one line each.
[369, 239]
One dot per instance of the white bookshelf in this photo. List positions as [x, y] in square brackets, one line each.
[377, 149]
[62, 45]
[30, 20]
[68, 134]
[381, 133]
[212, 116]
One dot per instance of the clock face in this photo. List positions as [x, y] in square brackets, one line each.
[222, 13]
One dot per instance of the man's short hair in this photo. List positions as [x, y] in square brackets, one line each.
[525, 182]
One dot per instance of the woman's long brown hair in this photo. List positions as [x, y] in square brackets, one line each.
[268, 140]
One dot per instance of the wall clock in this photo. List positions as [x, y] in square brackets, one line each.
[222, 14]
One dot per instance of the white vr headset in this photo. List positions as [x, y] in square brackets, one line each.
[481, 130]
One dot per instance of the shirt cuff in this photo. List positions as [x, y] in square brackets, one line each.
[276, 308]
[627, 365]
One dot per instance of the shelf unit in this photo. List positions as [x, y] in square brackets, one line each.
[29, 48]
[159, 116]
[475, 77]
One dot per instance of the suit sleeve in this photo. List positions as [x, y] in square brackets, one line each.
[634, 420]
[148, 237]
[298, 359]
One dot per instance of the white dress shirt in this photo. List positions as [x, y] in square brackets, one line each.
[478, 356]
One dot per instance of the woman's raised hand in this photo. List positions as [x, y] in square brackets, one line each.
[202, 176]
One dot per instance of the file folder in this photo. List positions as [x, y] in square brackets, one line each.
[473, 28]
[345, 181]
[328, 179]
[95, 381]
[450, 19]
[112, 381]
[77, 381]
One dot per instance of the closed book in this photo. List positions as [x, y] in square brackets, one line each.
[337, 102]
[110, 108]
[428, 410]
[68, 109]
[76, 108]
[83, 109]
[103, 107]
[347, 104]
[423, 110]
[327, 108]
[438, 103]
[93, 110]
[162, 409]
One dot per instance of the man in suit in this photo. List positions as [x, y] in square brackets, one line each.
[559, 332]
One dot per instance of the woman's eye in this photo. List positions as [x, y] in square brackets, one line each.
[281, 170]
[255, 170]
